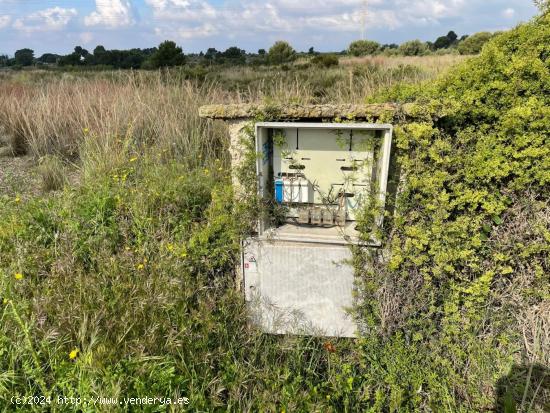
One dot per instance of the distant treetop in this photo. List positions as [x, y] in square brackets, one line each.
[363, 47]
[281, 52]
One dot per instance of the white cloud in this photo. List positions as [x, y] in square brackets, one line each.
[4, 21]
[55, 18]
[190, 10]
[111, 13]
[508, 13]
[425, 12]
[202, 31]
[198, 18]
[187, 19]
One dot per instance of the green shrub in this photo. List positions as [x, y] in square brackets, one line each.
[413, 48]
[363, 47]
[473, 44]
[281, 52]
[168, 54]
[325, 60]
[52, 173]
[469, 241]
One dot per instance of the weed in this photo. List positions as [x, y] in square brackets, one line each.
[52, 173]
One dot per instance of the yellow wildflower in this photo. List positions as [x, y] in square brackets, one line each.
[74, 353]
[140, 267]
[85, 130]
[17, 199]
[18, 276]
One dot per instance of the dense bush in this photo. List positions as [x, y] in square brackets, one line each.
[469, 270]
[24, 57]
[474, 43]
[363, 47]
[325, 60]
[168, 54]
[444, 42]
[281, 52]
[413, 48]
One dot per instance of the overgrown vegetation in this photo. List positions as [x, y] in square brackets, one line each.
[467, 285]
[122, 285]
[47, 113]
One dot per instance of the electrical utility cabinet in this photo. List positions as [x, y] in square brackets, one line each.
[317, 179]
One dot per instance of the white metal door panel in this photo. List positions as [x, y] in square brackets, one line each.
[298, 288]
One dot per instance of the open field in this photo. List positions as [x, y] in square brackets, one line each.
[88, 116]
[119, 234]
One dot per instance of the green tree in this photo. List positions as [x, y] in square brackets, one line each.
[363, 47]
[474, 43]
[99, 50]
[211, 53]
[442, 42]
[281, 52]
[24, 57]
[48, 58]
[4, 60]
[168, 54]
[76, 58]
[452, 36]
[413, 48]
[235, 55]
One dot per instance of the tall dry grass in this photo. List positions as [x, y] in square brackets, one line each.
[102, 117]
[432, 63]
[353, 81]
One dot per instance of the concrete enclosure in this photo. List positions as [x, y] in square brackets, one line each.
[318, 174]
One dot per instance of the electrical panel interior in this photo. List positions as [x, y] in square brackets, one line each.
[321, 175]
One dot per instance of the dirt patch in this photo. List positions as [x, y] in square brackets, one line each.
[18, 176]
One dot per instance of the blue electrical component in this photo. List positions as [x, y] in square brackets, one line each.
[279, 191]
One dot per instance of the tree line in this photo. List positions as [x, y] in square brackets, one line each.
[449, 43]
[169, 54]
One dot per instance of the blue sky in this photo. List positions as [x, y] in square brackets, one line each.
[328, 25]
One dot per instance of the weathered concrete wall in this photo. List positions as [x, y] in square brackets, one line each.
[237, 150]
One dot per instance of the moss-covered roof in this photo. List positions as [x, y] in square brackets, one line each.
[294, 111]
